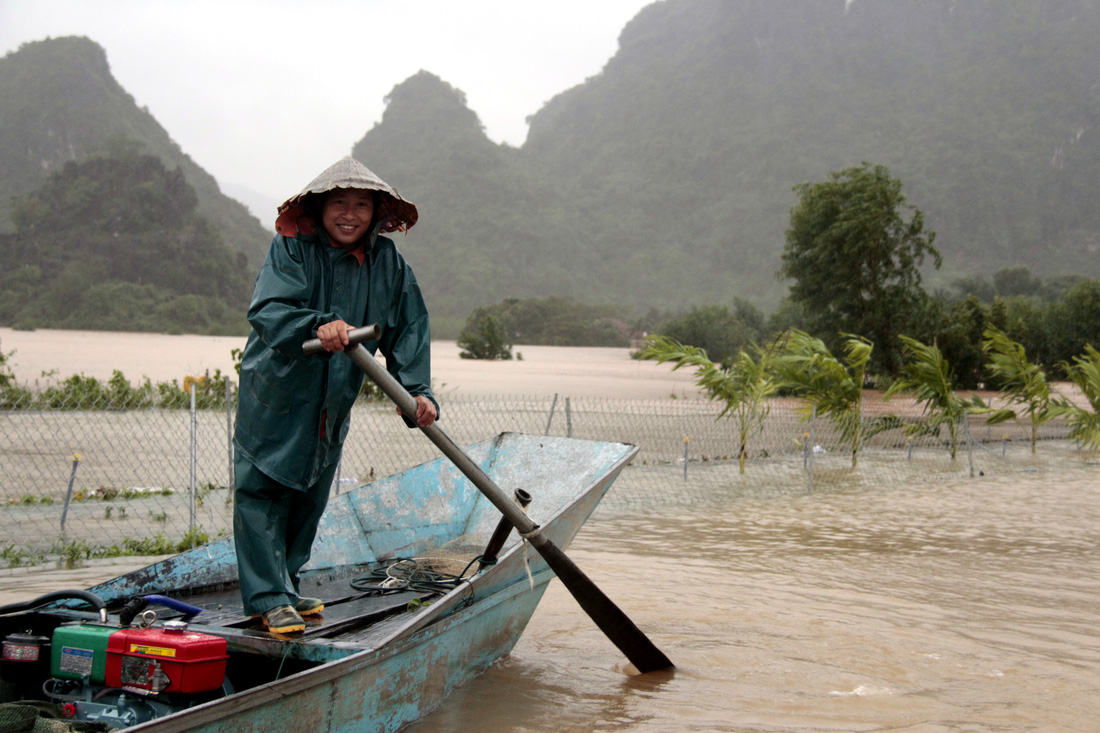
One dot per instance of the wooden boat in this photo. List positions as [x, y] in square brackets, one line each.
[388, 647]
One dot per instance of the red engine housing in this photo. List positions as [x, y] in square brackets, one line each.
[171, 659]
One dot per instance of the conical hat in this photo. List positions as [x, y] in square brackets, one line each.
[392, 211]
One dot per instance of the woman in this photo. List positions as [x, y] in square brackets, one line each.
[328, 270]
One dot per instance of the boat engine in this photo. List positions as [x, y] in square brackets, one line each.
[118, 677]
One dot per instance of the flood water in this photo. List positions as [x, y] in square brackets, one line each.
[970, 605]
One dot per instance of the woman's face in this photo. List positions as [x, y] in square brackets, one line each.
[347, 214]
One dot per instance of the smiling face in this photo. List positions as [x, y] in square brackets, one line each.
[347, 214]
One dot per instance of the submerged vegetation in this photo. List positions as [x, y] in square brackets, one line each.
[797, 364]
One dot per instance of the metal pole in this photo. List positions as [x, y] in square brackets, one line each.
[229, 433]
[194, 450]
[568, 420]
[810, 468]
[686, 441]
[969, 444]
[69, 493]
[551, 418]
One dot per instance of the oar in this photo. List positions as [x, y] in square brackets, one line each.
[622, 632]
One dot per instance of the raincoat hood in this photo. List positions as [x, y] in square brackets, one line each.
[391, 211]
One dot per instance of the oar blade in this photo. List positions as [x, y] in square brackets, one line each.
[615, 624]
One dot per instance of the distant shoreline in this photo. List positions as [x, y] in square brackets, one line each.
[543, 371]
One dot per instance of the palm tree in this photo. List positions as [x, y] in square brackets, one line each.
[928, 376]
[829, 387]
[744, 385]
[1023, 382]
[1085, 373]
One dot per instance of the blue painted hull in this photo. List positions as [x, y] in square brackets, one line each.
[380, 683]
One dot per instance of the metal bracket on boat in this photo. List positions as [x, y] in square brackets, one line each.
[500, 534]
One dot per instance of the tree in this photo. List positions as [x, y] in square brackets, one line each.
[829, 387]
[1016, 280]
[855, 259]
[957, 329]
[1023, 382]
[1085, 422]
[929, 377]
[716, 329]
[744, 386]
[484, 338]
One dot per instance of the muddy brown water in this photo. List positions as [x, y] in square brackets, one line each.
[955, 603]
[968, 605]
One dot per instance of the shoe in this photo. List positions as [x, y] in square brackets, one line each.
[309, 606]
[283, 620]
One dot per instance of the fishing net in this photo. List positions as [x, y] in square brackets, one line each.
[39, 717]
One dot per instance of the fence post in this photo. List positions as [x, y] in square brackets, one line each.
[69, 493]
[194, 458]
[810, 467]
[550, 419]
[229, 434]
[969, 443]
[686, 441]
[568, 420]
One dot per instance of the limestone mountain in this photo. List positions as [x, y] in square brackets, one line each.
[666, 180]
[61, 103]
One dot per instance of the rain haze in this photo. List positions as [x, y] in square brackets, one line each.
[264, 95]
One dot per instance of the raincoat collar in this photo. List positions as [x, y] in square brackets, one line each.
[391, 211]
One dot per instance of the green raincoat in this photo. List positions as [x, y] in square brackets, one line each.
[294, 409]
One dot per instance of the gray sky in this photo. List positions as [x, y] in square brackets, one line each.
[267, 93]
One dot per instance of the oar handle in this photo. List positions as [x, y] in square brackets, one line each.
[642, 652]
[355, 336]
[407, 404]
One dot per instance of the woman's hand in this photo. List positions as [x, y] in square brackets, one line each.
[334, 335]
[425, 411]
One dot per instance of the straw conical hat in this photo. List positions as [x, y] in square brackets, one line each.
[392, 211]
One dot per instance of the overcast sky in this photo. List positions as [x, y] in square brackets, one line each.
[265, 94]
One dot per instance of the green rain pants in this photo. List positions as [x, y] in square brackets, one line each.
[273, 531]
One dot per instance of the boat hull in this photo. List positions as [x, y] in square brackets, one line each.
[351, 675]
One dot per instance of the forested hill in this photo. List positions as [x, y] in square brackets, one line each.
[666, 179]
[60, 103]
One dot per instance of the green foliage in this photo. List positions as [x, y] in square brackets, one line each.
[1023, 382]
[62, 104]
[717, 330]
[665, 180]
[80, 392]
[161, 545]
[485, 339]
[1084, 371]
[957, 329]
[114, 243]
[11, 394]
[549, 322]
[929, 378]
[826, 386]
[744, 386]
[855, 259]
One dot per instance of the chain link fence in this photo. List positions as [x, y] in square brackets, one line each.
[142, 480]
